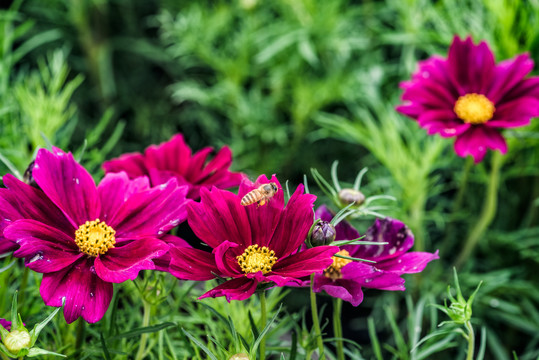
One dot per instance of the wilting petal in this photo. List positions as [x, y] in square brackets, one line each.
[235, 289]
[226, 260]
[368, 275]
[192, 264]
[68, 185]
[218, 217]
[476, 140]
[412, 262]
[305, 262]
[124, 262]
[85, 294]
[392, 231]
[347, 290]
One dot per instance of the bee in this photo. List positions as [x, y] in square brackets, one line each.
[260, 195]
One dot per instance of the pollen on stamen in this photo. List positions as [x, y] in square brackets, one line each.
[95, 238]
[474, 108]
[334, 270]
[255, 259]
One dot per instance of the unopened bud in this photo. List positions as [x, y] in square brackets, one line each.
[17, 340]
[323, 234]
[351, 196]
[240, 356]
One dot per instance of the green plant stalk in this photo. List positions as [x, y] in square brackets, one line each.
[457, 204]
[417, 215]
[80, 337]
[145, 322]
[337, 327]
[471, 340]
[488, 212]
[263, 321]
[22, 288]
[316, 322]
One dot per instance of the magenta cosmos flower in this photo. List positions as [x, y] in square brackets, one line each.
[469, 96]
[84, 237]
[251, 244]
[173, 159]
[345, 278]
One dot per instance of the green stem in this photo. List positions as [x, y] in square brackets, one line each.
[263, 321]
[80, 338]
[337, 327]
[316, 322]
[488, 212]
[22, 288]
[144, 336]
[459, 198]
[471, 340]
[417, 216]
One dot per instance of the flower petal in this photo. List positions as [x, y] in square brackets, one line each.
[305, 262]
[347, 290]
[515, 113]
[132, 163]
[370, 276]
[124, 262]
[45, 248]
[443, 122]
[235, 289]
[476, 140]
[294, 224]
[219, 217]
[171, 155]
[507, 74]
[412, 262]
[148, 213]
[192, 264]
[68, 185]
[116, 188]
[85, 294]
[162, 262]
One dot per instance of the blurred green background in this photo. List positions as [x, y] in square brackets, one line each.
[290, 85]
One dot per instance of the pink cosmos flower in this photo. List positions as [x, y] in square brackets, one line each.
[251, 244]
[173, 159]
[83, 237]
[469, 96]
[345, 278]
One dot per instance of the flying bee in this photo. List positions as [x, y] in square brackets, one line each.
[260, 195]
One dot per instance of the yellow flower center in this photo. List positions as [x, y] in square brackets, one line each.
[95, 237]
[474, 108]
[334, 270]
[256, 259]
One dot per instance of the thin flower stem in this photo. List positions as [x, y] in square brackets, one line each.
[471, 340]
[22, 288]
[263, 321]
[337, 327]
[488, 212]
[316, 322]
[463, 185]
[144, 336]
[80, 337]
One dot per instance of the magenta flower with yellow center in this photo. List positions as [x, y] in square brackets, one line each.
[173, 159]
[470, 97]
[345, 278]
[83, 237]
[251, 245]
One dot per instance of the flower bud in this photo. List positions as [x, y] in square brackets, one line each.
[351, 196]
[17, 340]
[323, 233]
[240, 356]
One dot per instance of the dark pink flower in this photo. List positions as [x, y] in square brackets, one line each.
[469, 96]
[251, 244]
[84, 237]
[345, 278]
[173, 159]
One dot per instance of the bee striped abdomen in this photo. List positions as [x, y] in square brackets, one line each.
[251, 197]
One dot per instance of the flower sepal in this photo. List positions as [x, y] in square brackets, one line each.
[18, 342]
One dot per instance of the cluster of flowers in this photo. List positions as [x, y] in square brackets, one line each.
[84, 238]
